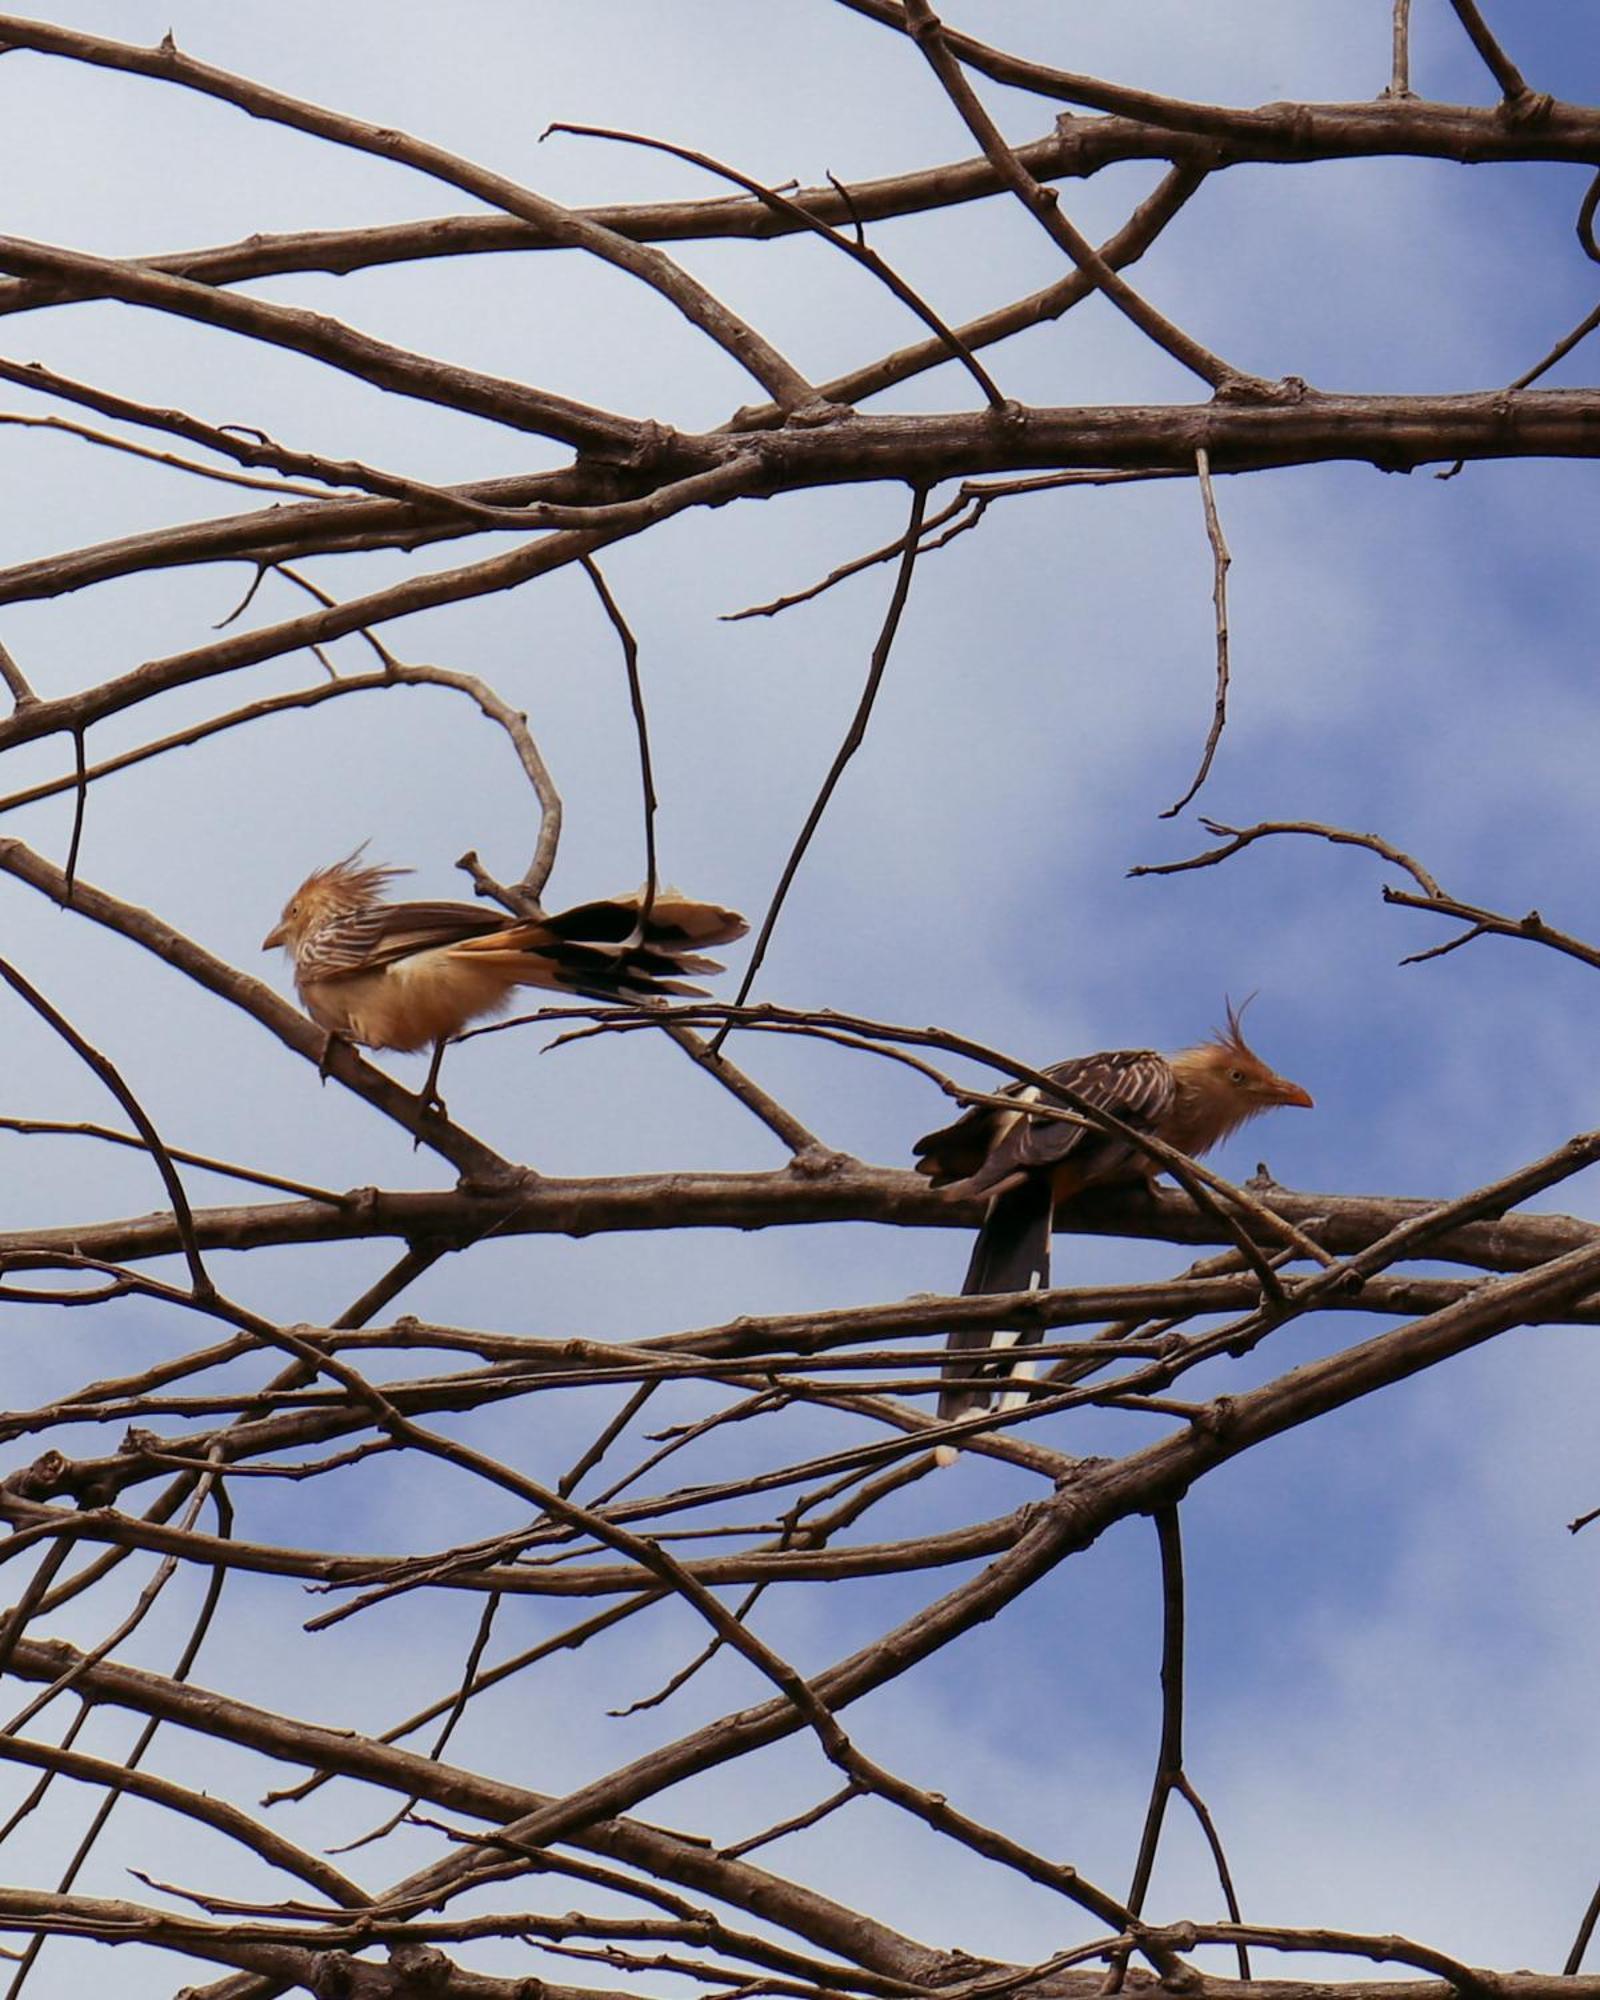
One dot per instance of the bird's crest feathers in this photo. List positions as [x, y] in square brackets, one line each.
[346, 886]
[1230, 1037]
[342, 889]
[1226, 1076]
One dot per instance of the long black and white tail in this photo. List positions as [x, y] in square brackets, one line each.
[602, 949]
[1011, 1254]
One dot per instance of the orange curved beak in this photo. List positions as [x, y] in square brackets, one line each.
[275, 937]
[1285, 1092]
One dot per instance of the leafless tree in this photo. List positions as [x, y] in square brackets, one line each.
[803, 1426]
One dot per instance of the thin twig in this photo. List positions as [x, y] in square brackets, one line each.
[1220, 559]
[1170, 1776]
[799, 1138]
[111, 1077]
[1585, 224]
[801, 217]
[1044, 205]
[22, 695]
[1559, 352]
[1480, 922]
[845, 570]
[253, 1176]
[1400, 70]
[830, 1805]
[1500, 66]
[249, 447]
[852, 742]
[80, 802]
[1058, 1100]
[1239, 838]
[647, 783]
[1580, 1944]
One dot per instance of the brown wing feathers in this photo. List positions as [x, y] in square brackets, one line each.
[399, 975]
[1024, 1159]
[987, 1144]
[1029, 1164]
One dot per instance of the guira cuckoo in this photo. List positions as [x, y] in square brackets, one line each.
[404, 975]
[1030, 1167]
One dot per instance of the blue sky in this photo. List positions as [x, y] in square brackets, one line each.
[1393, 1636]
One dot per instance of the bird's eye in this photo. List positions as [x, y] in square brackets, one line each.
[1236, 1076]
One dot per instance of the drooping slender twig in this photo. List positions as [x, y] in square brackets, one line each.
[456, 1708]
[1220, 559]
[647, 783]
[816, 1533]
[686, 1673]
[112, 1078]
[483, 1678]
[80, 803]
[853, 739]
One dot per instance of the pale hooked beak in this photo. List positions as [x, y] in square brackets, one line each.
[276, 937]
[1285, 1092]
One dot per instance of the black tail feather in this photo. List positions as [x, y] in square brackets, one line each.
[1011, 1254]
[675, 920]
[597, 948]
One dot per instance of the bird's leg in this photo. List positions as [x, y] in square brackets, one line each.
[331, 1043]
[429, 1094]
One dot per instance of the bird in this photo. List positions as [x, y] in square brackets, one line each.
[406, 975]
[1030, 1167]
